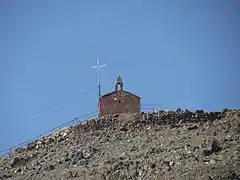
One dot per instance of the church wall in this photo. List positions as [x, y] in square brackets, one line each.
[126, 103]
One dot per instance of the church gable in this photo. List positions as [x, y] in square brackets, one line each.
[123, 93]
[119, 101]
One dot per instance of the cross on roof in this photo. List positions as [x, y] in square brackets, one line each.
[99, 66]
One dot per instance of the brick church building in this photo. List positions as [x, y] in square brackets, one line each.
[119, 101]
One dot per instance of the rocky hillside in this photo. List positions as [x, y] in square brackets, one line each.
[162, 145]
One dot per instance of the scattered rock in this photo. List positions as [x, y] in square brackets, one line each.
[193, 127]
[214, 133]
[159, 145]
[76, 157]
[19, 150]
[86, 154]
[237, 128]
[17, 170]
[18, 161]
[205, 177]
[49, 140]
[153, 166]
[49, 167]
[82, 162]
[212, 161]
[123, 129]
[215, 147]
[31, 146]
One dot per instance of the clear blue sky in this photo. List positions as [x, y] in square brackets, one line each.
[175, 53]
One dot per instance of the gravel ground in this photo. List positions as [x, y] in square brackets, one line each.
[162, 145]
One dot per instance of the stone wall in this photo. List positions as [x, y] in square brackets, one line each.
[129, 104]
[141, 120]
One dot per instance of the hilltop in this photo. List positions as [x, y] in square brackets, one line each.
[162, 145]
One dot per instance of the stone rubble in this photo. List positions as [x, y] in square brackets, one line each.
[160, 145]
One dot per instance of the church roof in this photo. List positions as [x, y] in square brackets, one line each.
[127, 92]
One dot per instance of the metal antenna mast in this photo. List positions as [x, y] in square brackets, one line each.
[98, 66]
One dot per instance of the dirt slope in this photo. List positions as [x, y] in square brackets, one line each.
[163, 145]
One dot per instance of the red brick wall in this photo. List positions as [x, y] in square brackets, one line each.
[129, 104]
